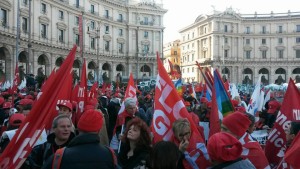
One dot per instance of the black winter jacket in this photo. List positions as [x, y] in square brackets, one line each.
[85, 152]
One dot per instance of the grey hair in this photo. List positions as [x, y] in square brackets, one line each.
[180, 124]
[130, 102]
[55, 120]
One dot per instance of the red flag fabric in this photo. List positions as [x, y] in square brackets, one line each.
[214, 119]
[276, 143]
[169, 107]
[16, 81]
[94, 91]
[81, 90]
[30, 130]
[293, 153]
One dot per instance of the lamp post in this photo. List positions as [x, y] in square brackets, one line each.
[28, 66]
[98, 62]
[137, 54]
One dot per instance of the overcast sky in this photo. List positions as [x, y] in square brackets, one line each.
[183, 13]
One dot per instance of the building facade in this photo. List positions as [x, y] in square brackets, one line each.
[242, 46]
[172, 52]
[119, 36]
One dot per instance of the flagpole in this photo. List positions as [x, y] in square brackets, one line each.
[18, 32]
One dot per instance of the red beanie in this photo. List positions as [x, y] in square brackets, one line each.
[237, 123]
[224, 147]
[90, 121]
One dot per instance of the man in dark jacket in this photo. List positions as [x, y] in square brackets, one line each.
[84, 151]
[62, 134]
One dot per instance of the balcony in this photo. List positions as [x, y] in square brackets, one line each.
[144, 23]
[78, 6]
[107, 17]
[94, 12]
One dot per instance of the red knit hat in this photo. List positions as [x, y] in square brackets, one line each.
[224, 147]
[90, 121]
[237, 123]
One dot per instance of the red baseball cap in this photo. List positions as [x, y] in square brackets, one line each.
[16, 119]
[66, 104]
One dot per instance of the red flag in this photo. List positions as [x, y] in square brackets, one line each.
[293, 153]
[214, 115]
[81, 91]
[169, 107]
[30, 130]
[276, 144]
[16, 81]
[94, 91]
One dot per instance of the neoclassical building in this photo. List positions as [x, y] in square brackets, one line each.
[243, 46]
[119, 36]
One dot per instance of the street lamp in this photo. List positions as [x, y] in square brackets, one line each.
[98, 39]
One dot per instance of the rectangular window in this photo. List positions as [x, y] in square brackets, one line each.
[247, 41]
[298, 53]
[77, 3]
[225, 40]
[146, 34]
[106, 29]
[106, 45]
[92, 26]
[204, 54]
[24, 25]
[248, 54]
[3, 17]
[264, 54]
[146, 20]
[263, 30]
[263, 41]
[92, 43]
[225, 28]
[61, 35]
[120, 47]
[298, 28]
[43, 31]
[280, 53]
[106, 14]
[298, 40]
[92, 9]
[226, 53]
[61, 15]
[175, 52]
[192, 57]
[43, 8]
[146, 48]
[193, 35]
[25, 2]
[280, 40]
[77, 39]
[247, 30]
[279, 29]
[76, 20]
[120, 32]
[120, 19]
[192, 45]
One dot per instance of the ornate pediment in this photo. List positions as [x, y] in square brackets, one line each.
[44, 19]
[24, 12]
[145, 42]
[263, 48]
[61, 25]
[107, 37]
[247, 48]
[280, 47]
[5, 4]
[120, 40]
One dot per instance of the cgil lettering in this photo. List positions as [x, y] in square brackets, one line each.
[162, 124]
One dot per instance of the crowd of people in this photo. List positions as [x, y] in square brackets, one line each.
[87, 142]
